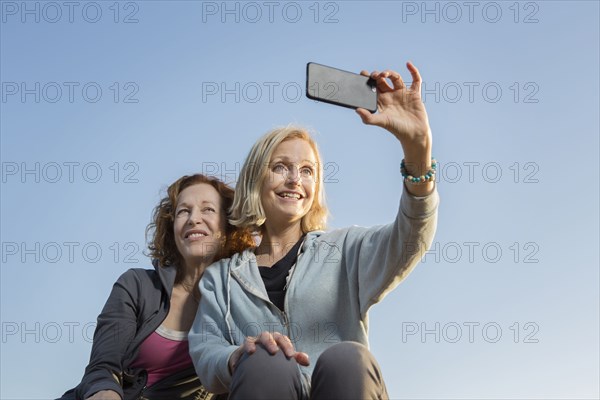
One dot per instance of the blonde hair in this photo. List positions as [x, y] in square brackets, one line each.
[247, 210]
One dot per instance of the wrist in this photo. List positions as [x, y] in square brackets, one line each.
[418, 150]
[418, 174]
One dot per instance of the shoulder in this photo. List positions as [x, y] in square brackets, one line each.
[139, 279]
[335, 236]
[139, 286]
[337, 240]
[231, 262]
[138, 274]
[215, 270]
[219, 270]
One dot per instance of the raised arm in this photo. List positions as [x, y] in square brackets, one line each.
[380, 257]
[401, 111]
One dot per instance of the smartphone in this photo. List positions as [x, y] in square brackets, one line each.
[342, 88]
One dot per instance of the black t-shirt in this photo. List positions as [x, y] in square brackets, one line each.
[274, 277]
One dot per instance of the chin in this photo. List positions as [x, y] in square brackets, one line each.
[197, 258]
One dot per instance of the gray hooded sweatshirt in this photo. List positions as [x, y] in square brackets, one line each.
[338, 276]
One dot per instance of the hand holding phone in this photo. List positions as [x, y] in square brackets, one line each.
[342, 88]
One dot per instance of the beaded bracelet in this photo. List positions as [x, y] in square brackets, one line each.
[429, 176]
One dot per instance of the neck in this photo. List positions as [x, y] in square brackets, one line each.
[191, 274]
[275, 243]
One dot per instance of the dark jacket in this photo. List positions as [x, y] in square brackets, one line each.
[138, 304]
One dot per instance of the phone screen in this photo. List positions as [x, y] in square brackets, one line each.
[342, 88]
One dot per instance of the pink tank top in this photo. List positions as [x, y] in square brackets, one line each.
[163, 353]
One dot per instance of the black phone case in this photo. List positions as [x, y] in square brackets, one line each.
[339, 87]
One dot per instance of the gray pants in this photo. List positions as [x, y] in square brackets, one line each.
[346, 371]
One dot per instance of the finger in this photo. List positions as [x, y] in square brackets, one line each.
[363, 114]
[416, 77]
[382, 81]
[266, 339]
[233, 360]
[302, 359]
[250, 345]
[373, 75]
[396, 80]
[285, 344]
[383, 86]
[368, 118]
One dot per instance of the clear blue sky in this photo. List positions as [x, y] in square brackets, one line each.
[103, 104]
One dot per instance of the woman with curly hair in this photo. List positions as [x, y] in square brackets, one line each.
[140, 347]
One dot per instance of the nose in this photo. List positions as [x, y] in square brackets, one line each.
[194, 217]
[293, 174]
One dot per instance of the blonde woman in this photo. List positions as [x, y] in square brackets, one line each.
[289, 319]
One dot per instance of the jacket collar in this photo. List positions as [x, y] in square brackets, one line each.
[244, 268]
[166, 275]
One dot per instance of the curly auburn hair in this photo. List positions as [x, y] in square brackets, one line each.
[162, 244]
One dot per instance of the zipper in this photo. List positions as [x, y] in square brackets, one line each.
[142, 393]
[288, 280]
[286, 323]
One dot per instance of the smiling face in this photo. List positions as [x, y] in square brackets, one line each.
[199, 224]
[288, 189]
